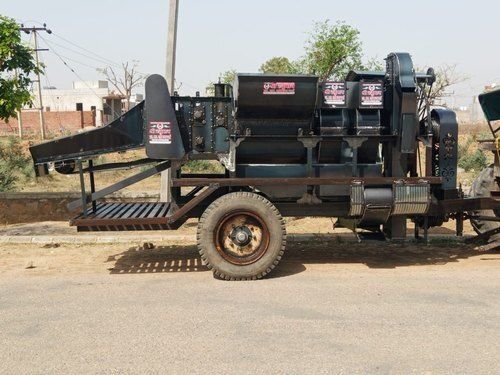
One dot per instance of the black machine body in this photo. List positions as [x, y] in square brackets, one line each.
[352, 144]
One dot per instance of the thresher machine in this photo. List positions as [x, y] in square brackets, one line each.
[291, 146]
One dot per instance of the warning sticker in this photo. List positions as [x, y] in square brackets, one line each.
[279, 88]
[371, 94]
[160, 133]
[334, 93]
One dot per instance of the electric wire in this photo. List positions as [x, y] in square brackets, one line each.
[85, 49]
[97, 57]
[86, 55]
[47, 80]
[116, 114]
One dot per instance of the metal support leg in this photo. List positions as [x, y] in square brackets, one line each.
[417, 231]
[92, 184]
[395, 228]
[460, 225]
[82, 188]
[426, 230]
[310, 162]
[355, 162]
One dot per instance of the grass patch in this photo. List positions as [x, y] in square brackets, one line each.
[470, 158]
[15, 165]
[203, 166]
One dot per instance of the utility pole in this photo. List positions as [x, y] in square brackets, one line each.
[173, 14]
[20, 123]
[19, 114]
[35, 31]
[473, 110]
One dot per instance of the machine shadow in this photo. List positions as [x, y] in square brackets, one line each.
[185, 258]
[161, 259]
[380, 255]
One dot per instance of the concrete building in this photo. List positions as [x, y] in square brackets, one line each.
[95, 96]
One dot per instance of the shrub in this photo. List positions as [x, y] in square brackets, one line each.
[471, 160]
[463, 147]
[14, 164]
[203, 166]
[475, 161]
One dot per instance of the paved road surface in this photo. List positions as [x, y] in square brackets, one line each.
[334, 309]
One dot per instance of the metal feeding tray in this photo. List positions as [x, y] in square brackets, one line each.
[123, 216]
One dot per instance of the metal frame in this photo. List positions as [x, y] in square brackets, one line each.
[94, 196]
[104, 216]
[306, 181]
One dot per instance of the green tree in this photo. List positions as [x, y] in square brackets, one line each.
[229, 76]
[332, 50]
[14, 57]
[373, 64]
[279, 65]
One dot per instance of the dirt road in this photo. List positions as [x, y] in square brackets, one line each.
[330, 307]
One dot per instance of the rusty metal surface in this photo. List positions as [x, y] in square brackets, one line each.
[177, 214]
[253, 244]
[464, 205]
[315, 181]
[138, 216]
[124, 214]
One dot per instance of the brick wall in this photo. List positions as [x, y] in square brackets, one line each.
[55, 123]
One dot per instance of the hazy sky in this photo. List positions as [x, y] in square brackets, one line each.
[216, 35]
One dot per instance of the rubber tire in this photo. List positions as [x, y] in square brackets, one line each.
[252, 202]
[481, 187]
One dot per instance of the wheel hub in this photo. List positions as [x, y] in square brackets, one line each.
[242, 238]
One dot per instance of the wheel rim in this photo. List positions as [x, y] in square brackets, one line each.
[241, 237]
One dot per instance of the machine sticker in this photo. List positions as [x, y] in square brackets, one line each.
[160, 133]
[279, 88]
[334, 93]
[371, 94]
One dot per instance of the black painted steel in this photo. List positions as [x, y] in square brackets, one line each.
[309, 147]
[162, 134]
[124, 133]
[275, 96]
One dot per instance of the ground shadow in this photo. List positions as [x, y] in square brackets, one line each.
[299, 254]
[161, 259]
[380, 254]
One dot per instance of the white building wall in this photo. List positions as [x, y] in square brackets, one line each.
[89, 93]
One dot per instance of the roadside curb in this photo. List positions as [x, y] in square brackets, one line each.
[134, 239]
[92, 240]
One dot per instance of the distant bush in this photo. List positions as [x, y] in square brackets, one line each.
[471, 160]
[203, 166]
[475, 161]
[14, 164]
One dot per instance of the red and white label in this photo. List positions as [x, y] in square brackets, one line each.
[279, 88]
[372, 94]
[334, 93]
[160, 133]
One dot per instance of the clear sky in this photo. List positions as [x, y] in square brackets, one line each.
[216, 35]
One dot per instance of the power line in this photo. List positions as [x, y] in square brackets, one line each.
[102, 61]
[35, 31]
[47, 80]
[79, 62]
[79, 77]
[99, 59]
[85, 49]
